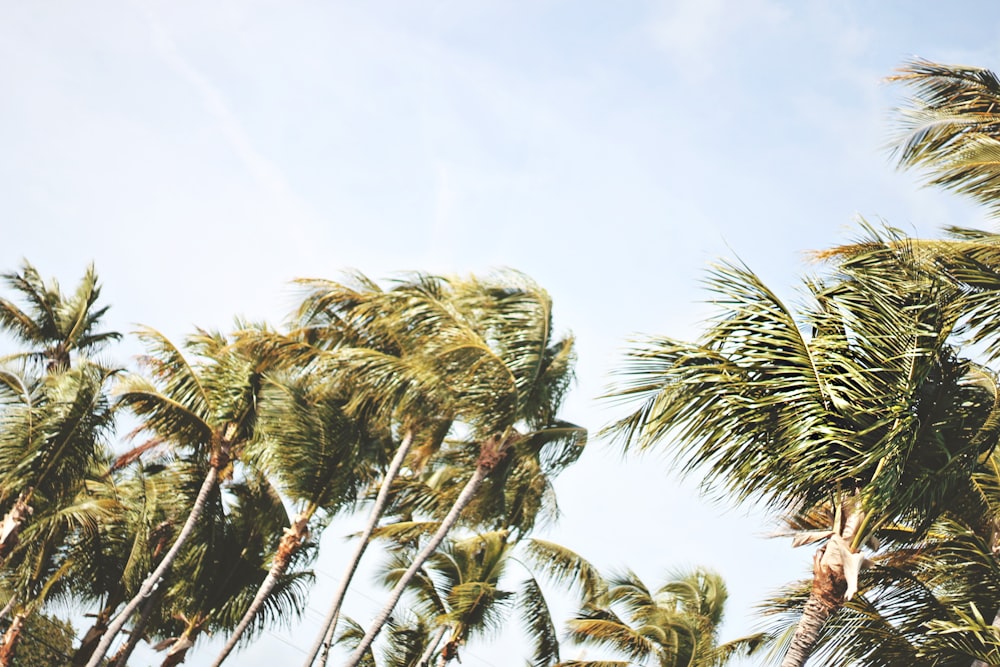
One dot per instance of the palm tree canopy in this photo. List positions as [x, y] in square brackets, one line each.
[673, 626]
[53, 324]
[862, 389]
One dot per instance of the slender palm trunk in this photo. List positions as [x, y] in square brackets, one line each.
[293, 539]
[9, 607]
[491, 453]
[120, 659]
[10, 639]
[96, 631]
[211, 480]
[425, 658]
[325, 637]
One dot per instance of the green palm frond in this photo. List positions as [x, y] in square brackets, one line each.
[537, 620]
[566, 567]
[949, 129]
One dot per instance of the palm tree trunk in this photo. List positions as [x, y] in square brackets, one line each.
[9, 607]
[491, 452]
[826, 597]
[120, 659]
[211, 480]
[325, 637]
[10, 639]
[295, 535]
[425, 659]
[96, 631]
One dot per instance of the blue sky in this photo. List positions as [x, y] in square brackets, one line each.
[206, 154]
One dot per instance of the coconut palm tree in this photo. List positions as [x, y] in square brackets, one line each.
[418, 356]
[224, 565]
[470, 587]
[494, 352]
[676, 625]
[874, 412]
[52, 325]
[205, 408]
[109, 565]
[321, 460]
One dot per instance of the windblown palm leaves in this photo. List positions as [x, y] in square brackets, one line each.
[470, 588]
[319, 457]
[224, 566]
[433, 355]
[862, 401]
[677, 625]
[950, 128]
[488, 347]
[206, 409]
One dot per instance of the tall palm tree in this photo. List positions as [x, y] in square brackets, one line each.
[206, 408]
[427, 356]
[494, 352]
[321, 460]
[874, 413]
[677, 625]
[224, 567]
[53, 327]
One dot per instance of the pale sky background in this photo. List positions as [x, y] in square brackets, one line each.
[204, 154]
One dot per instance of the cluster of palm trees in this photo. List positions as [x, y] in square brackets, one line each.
[866, 418]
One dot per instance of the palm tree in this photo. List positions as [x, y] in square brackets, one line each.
[319, 457]
[494, 352]
[54, 325]
[109, 565]
[839, 417]
[52, 447]
[206, 408]
[467, 588]
[224, 566]
[419, 357]
[675, 626]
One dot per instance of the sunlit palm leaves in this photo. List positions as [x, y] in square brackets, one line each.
[950, 128]
[863, 391]
[676, 625]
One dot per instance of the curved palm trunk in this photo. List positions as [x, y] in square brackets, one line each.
[492, 452]
[120, 659]
[293, 539]
[325, 637]
[10, 639]
[425, 659]
[211, 480]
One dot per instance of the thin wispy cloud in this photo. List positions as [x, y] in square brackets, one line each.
[263, 171]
